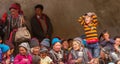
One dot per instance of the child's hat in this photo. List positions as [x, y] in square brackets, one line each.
[25, 45]
[34, 42]
[45, 42]
[44, 49]
[4, 48]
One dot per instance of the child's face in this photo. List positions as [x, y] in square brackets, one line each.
[8, 53]
[106, 35]
[36, 50]
[70, 43]
[22, 51]
[43, 54]
[88, 19]
[117, 41]
[0, 41]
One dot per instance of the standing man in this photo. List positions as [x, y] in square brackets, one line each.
[40, 24]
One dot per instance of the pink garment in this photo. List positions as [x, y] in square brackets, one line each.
[22, 59]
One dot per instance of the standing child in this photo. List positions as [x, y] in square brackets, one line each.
[89, 22]
[23, 57]
[44, 58]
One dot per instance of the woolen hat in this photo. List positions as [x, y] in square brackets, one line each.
[55, 40]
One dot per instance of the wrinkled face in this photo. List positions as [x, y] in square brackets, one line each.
[36, 50]
[57, 47]
[76, 46]
[13, 11]
[38, 11]
[22, 50]
[88, 19]
[65, 45]
[43, 55]
[106, 35]
[117, 41]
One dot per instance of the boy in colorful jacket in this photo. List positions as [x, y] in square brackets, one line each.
[89, 22]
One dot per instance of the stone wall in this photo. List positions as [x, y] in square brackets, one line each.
[64, 13]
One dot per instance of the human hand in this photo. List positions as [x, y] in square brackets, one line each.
[25, 60]
[78, 60]
[61, 63]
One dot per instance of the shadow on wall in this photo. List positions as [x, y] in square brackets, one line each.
[64, 14]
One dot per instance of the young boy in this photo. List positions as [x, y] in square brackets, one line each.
[35, 48]
[89, 22]
[44, 59]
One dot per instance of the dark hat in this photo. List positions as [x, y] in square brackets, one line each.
[34, 42]
[44, 49]
[45, 42]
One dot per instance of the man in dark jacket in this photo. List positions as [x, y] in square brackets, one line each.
[40, 24]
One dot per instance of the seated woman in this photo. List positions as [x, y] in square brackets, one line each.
[79, 54]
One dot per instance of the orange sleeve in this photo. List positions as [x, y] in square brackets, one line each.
[81, 20]
[95, 21]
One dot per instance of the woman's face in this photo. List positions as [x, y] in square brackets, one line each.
[57, 47]
[65, 45]
[76, 46]
[36, 50]
[22, 50]
[13, 11]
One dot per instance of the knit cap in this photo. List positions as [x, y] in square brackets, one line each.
[44, 49]
[45, 42]
[4, 48]
[34, 42]
[55, 40]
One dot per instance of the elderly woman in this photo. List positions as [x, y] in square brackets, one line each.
[56, 54]
[79, 54]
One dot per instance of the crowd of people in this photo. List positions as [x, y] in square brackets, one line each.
[41, 48]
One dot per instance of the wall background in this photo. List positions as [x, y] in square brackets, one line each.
[64, 13]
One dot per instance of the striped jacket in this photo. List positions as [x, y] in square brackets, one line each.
[90, 29]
